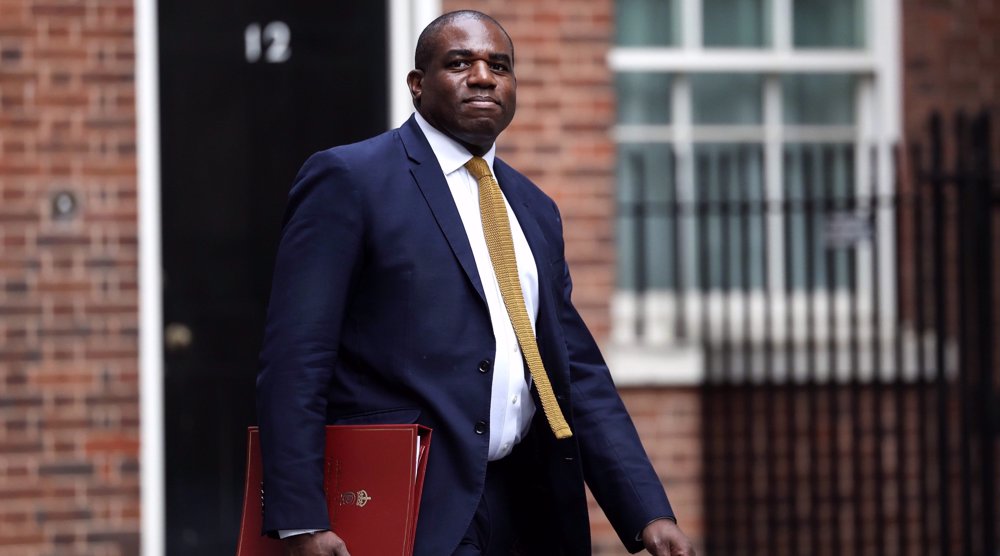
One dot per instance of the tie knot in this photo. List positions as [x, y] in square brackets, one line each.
[478, 167]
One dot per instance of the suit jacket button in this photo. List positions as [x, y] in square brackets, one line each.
[481, 427]
[484, 366]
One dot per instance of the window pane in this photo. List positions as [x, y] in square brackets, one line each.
[645, 230]
[646, 22]
[829, 23]
[733, 23]
[728, 222]
[643, 98]
[819, 185]
[727, 98]
[815, 99]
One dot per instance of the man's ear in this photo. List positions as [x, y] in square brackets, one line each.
[415, 81]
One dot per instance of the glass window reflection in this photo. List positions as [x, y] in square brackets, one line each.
[727, 98]
[736, 23]
[829, 23]
[647, 22]
[819, 99]
[643, 98]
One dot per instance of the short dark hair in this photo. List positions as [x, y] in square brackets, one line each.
[425, 43]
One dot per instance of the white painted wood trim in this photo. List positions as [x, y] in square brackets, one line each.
[885, 39]
[680, 361]
[664, 133]
[684, 162]
[774, 180]
[407, 18]
[638, 366]
[691, 24]
[400, 60]
[424, 11]
[152, 483]
[781, 24]
[741, 60]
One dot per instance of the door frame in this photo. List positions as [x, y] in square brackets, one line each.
[406, 18]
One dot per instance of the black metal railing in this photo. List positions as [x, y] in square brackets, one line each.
[849, 339]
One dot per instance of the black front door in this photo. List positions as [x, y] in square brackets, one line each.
[248, 89]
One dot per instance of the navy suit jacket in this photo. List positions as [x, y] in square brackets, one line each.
[377, 315]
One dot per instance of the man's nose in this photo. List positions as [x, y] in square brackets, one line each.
[481, 76]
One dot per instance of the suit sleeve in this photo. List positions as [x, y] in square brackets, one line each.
[615, 465]
[316, 264]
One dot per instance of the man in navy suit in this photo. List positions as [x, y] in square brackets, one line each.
[386, 308]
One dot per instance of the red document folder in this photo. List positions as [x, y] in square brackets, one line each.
[373, 480]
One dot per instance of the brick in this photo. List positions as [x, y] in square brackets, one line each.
[66, 468]
[19, 401]
[62, 515]
[112, 444]
[130, 492]
[129, 466]
[64, 423]
[62, 239]
[15, 538]
[14, 216]
[63, 538]
[112, 399]
[128, 541]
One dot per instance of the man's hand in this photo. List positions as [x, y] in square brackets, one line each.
[664, 538]
[322, 543]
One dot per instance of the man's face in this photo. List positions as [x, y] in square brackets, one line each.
[468, 90]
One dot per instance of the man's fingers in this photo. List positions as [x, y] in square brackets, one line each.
[662, 537]
[340, 548]
[683, 548]
[322, 543]
[682, 551]
[333, 545]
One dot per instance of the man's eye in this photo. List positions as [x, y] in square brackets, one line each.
[458, 64]
[498, 67]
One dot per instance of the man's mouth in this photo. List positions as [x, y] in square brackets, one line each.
[481, 101]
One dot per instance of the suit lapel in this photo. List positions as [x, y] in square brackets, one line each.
[512, 190]
[545, 326]
[434, 188]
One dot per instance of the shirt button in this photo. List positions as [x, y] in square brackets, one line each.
[506, 446]
[484, 366]
[515, 348]
[514, 400]
[481, 427]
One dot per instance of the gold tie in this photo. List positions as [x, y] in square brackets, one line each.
[496, 228]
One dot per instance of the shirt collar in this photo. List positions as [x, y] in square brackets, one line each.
[450, 154]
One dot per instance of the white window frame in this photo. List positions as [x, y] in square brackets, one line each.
[656, 357]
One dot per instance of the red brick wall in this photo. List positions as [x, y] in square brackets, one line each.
[951, 58]
[950, 62]
[69, 414]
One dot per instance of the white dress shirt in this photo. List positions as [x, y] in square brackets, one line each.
[511, 405]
